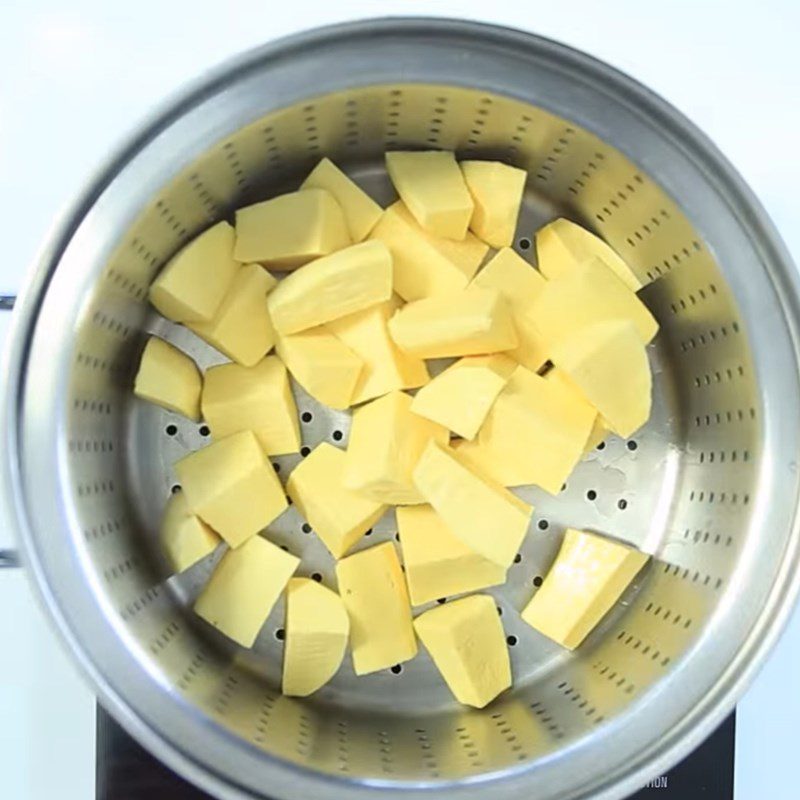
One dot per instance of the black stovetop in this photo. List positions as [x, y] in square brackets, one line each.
[707, 774]
[127, 772]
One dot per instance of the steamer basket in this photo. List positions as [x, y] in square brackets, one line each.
[710, 486]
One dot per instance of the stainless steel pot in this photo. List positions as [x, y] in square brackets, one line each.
[710, 486]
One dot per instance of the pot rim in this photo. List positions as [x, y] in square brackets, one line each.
[681, 739]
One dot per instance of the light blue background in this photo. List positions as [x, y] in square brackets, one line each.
[76, 76]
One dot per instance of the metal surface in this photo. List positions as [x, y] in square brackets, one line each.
[709, 486]
[125, 771]
[9, 559]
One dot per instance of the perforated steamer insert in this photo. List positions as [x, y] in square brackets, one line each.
[709, 486]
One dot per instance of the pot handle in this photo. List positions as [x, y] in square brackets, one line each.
[8, 558]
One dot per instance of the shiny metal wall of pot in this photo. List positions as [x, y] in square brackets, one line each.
[710, 486]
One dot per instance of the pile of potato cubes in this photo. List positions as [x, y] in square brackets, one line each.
[545, 364]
